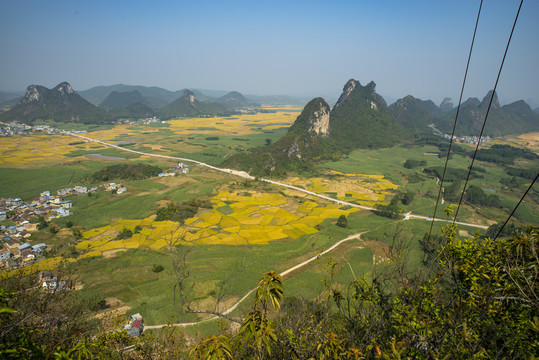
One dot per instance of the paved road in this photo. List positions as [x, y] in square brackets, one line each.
[245, 175]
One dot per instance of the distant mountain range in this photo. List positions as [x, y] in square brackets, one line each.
[63, 104]
[159, 97]
[514, 118]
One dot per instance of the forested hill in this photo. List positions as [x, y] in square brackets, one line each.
[61, 103]
[189, 105]
[359, 119]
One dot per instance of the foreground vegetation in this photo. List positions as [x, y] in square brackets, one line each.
[475, 298]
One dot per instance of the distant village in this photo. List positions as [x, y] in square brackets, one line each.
[15, 128]
[15, 250]
[468, 139]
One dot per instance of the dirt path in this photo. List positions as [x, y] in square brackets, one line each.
[245, 175]
[284, 273]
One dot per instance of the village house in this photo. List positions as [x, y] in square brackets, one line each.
[27, 256]
[24, 247]
[50, 282]
[4, 254]
[39, 248]
[12, 244]
[80, 189]
[61, 212]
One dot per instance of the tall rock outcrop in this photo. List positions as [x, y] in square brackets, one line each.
[359, 119]
[446, 104]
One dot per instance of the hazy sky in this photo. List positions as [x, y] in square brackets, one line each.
[305, 48]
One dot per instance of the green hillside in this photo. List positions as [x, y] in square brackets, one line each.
[188, 105]
[118, 100]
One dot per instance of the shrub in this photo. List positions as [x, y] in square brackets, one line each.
[157, 268]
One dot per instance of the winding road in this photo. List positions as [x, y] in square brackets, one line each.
[245, 175]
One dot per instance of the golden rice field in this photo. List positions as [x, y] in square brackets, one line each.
[23, 151]
[362, 188]
[236, 124]
[237, 218]
[531, 140]
[240, 124]
[44, 150]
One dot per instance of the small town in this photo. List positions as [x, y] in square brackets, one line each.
[28, 216]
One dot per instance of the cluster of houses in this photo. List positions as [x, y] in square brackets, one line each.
[181, 168]
[468, 139]
[144, 121]
[15, 128]
[15, 254]
[15, 251]
[119, 188]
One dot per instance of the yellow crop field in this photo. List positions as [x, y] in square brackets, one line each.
[362, 188]
[38, 149]
[237, 124]
[253, 218]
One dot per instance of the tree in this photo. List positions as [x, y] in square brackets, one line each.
[268, 141]
[342, 221]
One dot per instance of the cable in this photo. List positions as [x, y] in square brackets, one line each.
[486, 115]
[455, 122]
[515, 208]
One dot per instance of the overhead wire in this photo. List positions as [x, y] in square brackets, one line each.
[515, 208]
[486, 114]
[455, 122]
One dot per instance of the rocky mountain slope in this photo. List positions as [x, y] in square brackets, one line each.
[415, 114]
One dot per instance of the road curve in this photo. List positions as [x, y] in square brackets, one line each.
[286, 272]
[245, 175]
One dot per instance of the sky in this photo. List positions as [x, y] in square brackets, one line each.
[293, 47]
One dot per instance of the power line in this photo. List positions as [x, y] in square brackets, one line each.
[455, 122]
[486, 114]
[515, 208]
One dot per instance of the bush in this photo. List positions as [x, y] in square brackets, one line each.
[157, 268]
[124, 234]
